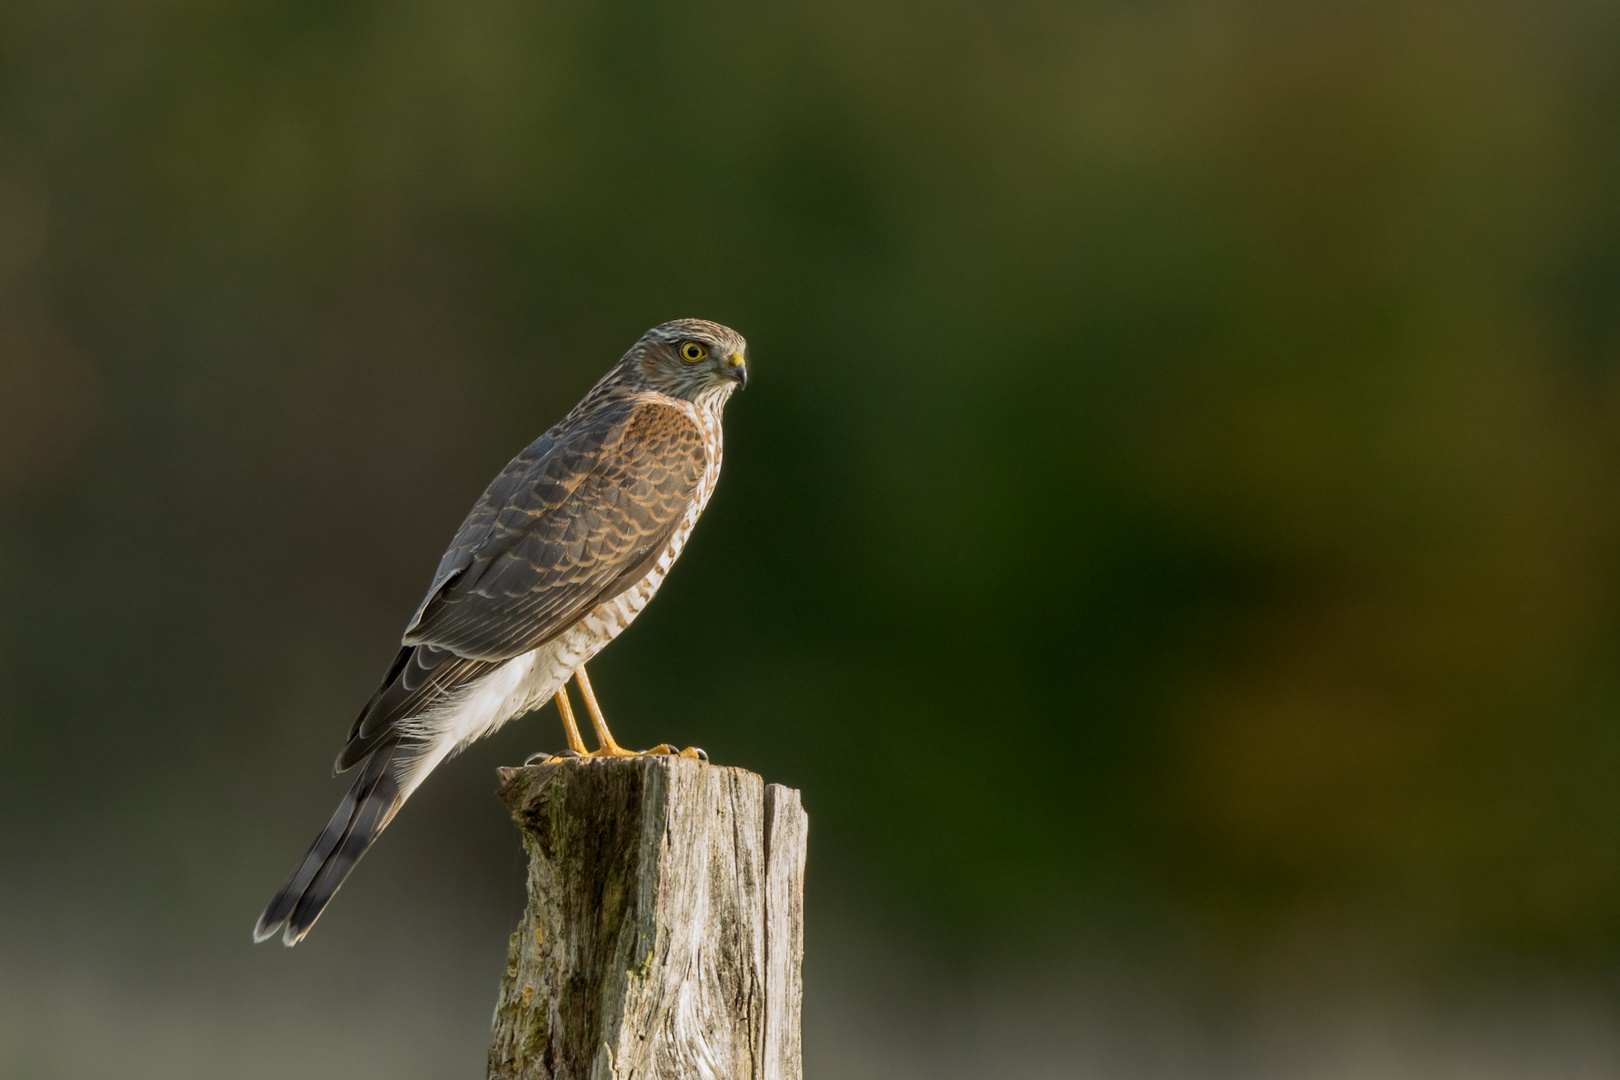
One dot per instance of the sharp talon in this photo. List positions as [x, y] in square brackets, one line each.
[696, 752]
[538, 757]
[562, 755]
[663, 748]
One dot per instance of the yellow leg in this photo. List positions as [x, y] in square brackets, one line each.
[608, 747]
[575, 743]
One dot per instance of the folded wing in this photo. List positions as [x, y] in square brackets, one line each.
[569, 524]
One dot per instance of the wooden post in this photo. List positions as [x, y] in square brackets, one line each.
[664, 930]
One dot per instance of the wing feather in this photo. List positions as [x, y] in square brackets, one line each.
[561, 530]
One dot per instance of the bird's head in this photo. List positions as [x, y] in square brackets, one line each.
[693, 359]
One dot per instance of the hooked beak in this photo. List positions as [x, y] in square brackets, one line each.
[737, 368]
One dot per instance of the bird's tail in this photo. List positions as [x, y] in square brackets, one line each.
[372, 801]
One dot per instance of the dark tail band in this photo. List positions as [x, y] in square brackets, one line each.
[364, 812]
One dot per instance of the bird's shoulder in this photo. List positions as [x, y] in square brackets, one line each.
[615, 437]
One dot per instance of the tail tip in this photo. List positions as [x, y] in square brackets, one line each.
[264, 930]
[289, 936]
[268, 927]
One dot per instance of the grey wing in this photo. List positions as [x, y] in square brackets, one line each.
[598, 510]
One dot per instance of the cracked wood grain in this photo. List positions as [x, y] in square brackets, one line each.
[664, 932]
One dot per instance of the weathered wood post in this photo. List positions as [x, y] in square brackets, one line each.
[664, 930]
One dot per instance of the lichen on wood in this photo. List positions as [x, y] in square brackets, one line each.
[663, 934]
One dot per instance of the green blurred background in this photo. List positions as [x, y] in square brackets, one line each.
[1171, 535]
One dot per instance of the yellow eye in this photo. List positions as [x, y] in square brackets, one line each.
[692, 352]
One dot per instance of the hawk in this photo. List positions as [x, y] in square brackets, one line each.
[561, 553]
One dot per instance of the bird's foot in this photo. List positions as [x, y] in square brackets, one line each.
[546, 757]
[612, 750]
[689, 752]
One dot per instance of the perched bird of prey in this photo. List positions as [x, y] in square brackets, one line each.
[557, 557]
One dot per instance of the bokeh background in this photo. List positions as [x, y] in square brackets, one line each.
[1172, 536]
